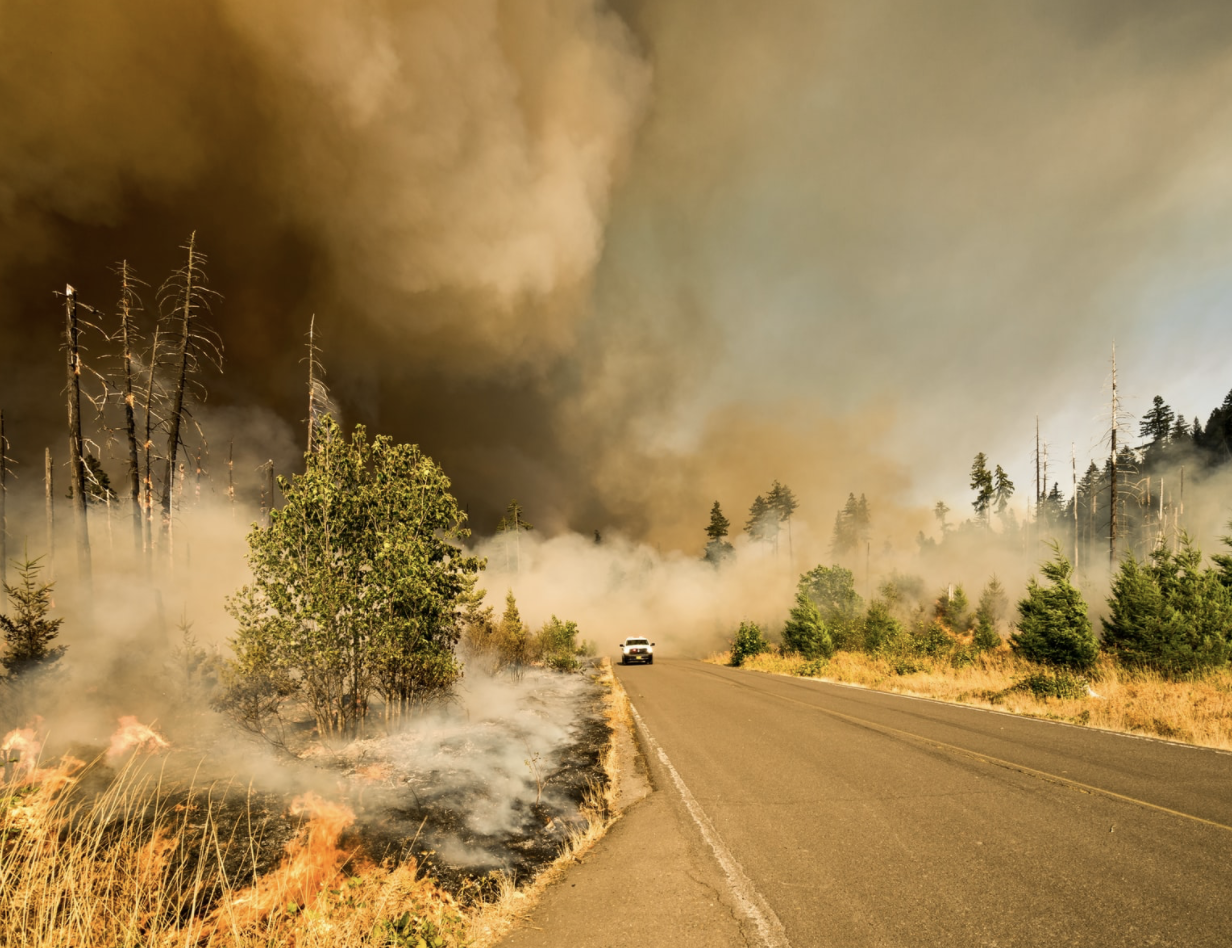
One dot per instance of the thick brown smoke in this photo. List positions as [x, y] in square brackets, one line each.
[618, 261]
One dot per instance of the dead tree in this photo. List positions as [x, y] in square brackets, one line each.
[318, 394]
[184, 300]
[129, 304]
[151, 422]
[1112, 510]
[51, 514]
[231, 476]
[77, 470]
[4, 523]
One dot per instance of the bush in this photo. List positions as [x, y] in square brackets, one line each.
[805, 631]
[1053, 628]
[1057, 684]
[812, 668]
[748, 642]
[882, 632]
[932, 639]
[1169, 615]
[953, 610]
[557, 646]
[833, 589]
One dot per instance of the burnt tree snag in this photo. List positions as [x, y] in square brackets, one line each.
[77, 470]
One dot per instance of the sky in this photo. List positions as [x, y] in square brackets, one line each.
[621, 260]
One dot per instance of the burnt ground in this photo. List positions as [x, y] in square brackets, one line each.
[491, 784]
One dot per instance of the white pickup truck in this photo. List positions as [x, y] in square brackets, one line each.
[636, 650]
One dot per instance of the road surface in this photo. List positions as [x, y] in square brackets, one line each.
[819, 814]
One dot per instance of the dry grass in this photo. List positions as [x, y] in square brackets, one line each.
[1194, 712]
[130, 867]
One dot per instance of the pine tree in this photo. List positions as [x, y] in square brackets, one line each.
[747, 642]
[805, 631]
[846, 535]
[1156, 424]
[1169, 614]
[760, 517]
[981, 483]
[1002, 490]
[1053, 626]
[28, 633]
[1180, 430]
[718, 550]
[782, 502]
[940, 510]
[988, 615]
[953, 609]
[881, 630]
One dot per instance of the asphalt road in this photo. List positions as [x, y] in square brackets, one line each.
[839, 816]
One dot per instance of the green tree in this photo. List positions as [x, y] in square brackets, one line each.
[718, 550]
[763, 523]
[747, 642]
[1053, 627]
[28, 633]
[940, 511]
[1169, 614]
[953, 609]
[882, 632]
[805, 631]
[782, 502]
[989, 614]
[833, 588]
[513, 637]
[1002, 490]
[557, 645]
[358, 583]
[1156, 424]
[982, 484]
[852, 526]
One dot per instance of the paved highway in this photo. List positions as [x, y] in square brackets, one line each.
[837, 816]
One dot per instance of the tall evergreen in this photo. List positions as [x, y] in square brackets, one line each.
[763, 521]
[1002, 489]
[805, 631]
[989, 614]
[718, 549]
[982, 484]
[1156, 424]
[1053, 626]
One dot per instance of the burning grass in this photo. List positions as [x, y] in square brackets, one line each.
[118, 851]
[1197, 711]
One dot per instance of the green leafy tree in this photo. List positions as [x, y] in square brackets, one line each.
[1169, 614]
[28, 633]
[718, 550]
[989, 614]
[358, 583]
[1053, 626]
[747, 642]
[557, 645]
[982, 484]
[833, 588]
[805, 631]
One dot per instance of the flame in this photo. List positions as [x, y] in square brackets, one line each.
[133, 735]
[313, 861]
[21, 747]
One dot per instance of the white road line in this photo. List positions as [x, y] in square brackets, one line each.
[748, 899]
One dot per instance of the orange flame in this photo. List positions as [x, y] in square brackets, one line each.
[133, 735]
[22, 747]
[313, 861]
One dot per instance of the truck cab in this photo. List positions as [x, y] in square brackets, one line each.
[635, 650]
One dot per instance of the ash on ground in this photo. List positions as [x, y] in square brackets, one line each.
[491, 782]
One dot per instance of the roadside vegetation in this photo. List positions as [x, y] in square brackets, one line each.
[1160, 666]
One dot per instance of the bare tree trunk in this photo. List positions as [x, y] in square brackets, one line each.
[231, 476]
[51, 515]
[148, 446]
[77, 473]
[1073, 457]
[176, 418]
[312, 387]
[1112, 510]
[270, 484]
[130, 415]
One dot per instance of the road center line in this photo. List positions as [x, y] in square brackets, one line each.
[748, 899]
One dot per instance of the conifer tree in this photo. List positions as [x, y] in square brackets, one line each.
[1156, 424]
[1169, 614]
[718, 550]
[28, 633]
[981, 483]
[988, 615]
[953, 609]
[805, 631]
[747, 642]
[1053, 626]
[881, 629]
[762, 523]
[940, 510]
[1002, 490]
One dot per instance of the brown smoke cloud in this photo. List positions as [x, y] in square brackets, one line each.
[618, 261]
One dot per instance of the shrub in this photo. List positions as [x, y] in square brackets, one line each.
[953, 609]
[1057, 684]
[833, 588]
[1169, 615]
[805, 631]
[557, 646]
[932, 639]
[1053, 628]
[812, 668]
[882, 632]
[747, 643]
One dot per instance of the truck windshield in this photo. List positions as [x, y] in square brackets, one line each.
[636, 642]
